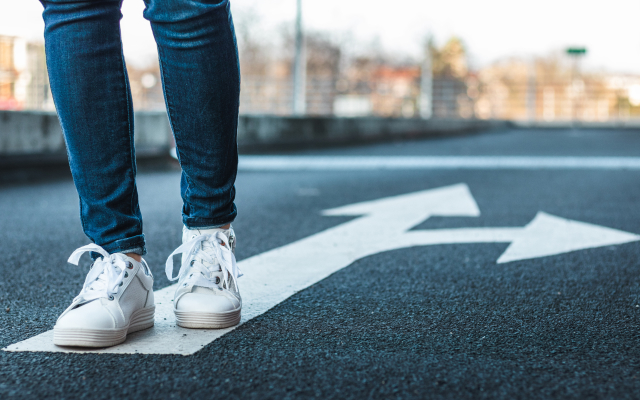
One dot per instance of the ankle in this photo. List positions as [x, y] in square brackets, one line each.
[135, 256]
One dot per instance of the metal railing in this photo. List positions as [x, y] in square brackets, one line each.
[543, 101]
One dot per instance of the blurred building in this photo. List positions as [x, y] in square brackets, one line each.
[146, 88]
[451, 97]
[380, 85]
[267, 77]
[24, 83]
[552, 89]
[537, 89]
[374, 87]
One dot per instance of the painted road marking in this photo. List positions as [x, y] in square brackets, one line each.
[328, 163]
[384, 224]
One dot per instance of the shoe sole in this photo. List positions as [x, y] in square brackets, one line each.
[200, 320]
[140, 320]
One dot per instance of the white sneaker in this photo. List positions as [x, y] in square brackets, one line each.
[207, 295]
[116, 299]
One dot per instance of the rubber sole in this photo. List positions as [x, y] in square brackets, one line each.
[200, 320]
[140, 320]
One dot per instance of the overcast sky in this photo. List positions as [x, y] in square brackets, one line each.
[491, 29]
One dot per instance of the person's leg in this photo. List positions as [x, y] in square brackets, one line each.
[92, 97]
[91, 92]
[201, 78]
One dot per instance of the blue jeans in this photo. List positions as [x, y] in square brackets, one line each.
[201, 81]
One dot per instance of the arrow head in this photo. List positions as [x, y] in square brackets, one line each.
[548, 235]
[447, 201]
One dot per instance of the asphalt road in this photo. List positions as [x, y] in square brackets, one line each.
[441, 321]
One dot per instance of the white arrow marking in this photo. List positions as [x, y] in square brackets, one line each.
[383, 225]
[545, 235]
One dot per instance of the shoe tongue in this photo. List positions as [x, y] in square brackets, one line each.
[212, 231]
[101, 280]
[207, 244]
[188, 234]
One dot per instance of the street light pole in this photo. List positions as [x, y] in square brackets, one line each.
[299, 67]
[575, 53]
[425, 103]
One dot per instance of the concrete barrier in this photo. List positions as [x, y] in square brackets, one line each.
[277, 131]
[630, 124]
[38, 134]
[29, 132]
[36, 137]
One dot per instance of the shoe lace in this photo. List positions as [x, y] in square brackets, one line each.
[105, 275]
[217, 253]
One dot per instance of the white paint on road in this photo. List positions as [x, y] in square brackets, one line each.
[364, 163]
[384, 224]
[545, 235]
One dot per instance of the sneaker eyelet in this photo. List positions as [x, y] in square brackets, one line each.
[190, 275]
[129, 265]
[185, 285]
[192, 262]
[217, 280]
[111, 298]
[121, 283]
[126, 274]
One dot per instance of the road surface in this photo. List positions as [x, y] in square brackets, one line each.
[426, 321]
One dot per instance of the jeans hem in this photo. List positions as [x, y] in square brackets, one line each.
[208, 227]
[207, 223]
[141, 251]
[134, 244]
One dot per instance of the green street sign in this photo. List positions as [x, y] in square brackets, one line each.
[576, 51]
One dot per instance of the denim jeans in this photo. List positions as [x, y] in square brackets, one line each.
[201, 81]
